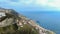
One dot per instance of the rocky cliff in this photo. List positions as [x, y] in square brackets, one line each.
[13, 23]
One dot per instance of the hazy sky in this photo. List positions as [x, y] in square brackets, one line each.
[31, 5]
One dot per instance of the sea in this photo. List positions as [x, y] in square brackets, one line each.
[48, 20]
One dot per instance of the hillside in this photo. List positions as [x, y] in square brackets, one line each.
[13, 23]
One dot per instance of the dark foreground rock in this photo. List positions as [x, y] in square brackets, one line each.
[13, 23]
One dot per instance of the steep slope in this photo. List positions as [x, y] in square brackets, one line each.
[35, 25]
[14, 23]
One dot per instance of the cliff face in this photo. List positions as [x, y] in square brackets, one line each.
[13, 23]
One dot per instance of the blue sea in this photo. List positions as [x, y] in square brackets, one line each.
[48, 20]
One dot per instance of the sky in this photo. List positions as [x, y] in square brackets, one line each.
[31, 5]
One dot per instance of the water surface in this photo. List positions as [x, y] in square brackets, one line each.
[48, 20]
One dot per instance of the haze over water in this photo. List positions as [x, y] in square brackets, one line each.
[48, 20]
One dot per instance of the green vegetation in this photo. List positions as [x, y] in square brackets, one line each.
[9, 29]
[26, 29]
[13, 29]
